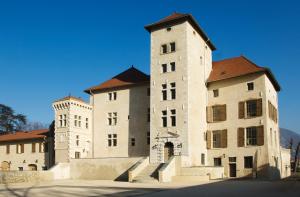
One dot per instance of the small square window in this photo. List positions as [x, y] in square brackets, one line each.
[250, 86]
[216, 92]
[218, 161]
[248, 162]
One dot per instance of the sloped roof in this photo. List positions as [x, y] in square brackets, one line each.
[24, 135]
[129, 77]
[176, 18]
[238, 66]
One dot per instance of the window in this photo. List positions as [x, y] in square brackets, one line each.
[112, 140]
[148, 115]
[251, 108]
[79, 121]
[132, 141]
[218, 161]
[164, 92]
[20, 148]
[164, 68]
[41, 145]
[248, 162]
[232, 159]
[148, 138]
[112, 96]
[77, 155]
[112, 118]
[148, 91]
[173, 68]
[45, 147]
[60, 120]
[33, 147]
[164, 118]
[173, 117]
[250, 86]
[219, 113]
[251, 134]
[7, 149]
[20, 168]
[202, 159]
[65, 120]
[77, 140]
[75, 120]
[173, 90]
[216, 93]
[172, 46]
[271, 137]
[86, 123]
[164, 48]
[216, 139]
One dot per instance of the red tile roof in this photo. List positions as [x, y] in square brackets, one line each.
[238, 66]
[129, 77]
[176, 18]
[24, 135]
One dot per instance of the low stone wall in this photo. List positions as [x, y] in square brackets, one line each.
[170, 169]
[102, 168]
[24, 176]
[137, 168]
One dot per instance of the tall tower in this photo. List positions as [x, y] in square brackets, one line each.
[181, 60]
[73, 129]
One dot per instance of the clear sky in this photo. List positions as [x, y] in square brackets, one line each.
[49, 49]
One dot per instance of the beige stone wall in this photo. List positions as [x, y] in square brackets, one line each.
[131, 107]
[231, 92]
[16, 160]
[66, 135]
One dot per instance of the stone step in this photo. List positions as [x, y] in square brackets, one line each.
[190, 178]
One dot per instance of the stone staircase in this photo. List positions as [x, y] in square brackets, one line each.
[149, 174]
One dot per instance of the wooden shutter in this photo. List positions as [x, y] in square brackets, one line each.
[241, 110]
[33, 147]
[208, 139]
[240, 137]
[259, 107]
[223, 112]
[209, 114]
[224, 138]
[22, 148]
[260, 135]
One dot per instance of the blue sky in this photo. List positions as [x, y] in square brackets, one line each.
[49, 49]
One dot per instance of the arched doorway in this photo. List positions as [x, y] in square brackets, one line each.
[32, 167]
[5, 166]
[168, 151]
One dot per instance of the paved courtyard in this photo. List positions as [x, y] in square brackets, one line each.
[110, 188]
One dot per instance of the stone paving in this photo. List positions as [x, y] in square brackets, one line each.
[78, 188]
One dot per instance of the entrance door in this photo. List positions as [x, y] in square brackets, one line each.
[168, 151]
[32, 167]
[232, 169]
[5, 166]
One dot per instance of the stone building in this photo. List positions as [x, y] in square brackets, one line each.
[222, 113]
[29, 150]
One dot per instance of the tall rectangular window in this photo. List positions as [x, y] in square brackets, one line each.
[251, 134]
[172, 47]
[251, 108]
[133, 141]
[7, 149]
[173, 90]
[217, 161]
[86, 123]
[33, 146]
[164, 68]
[112, 118]
[202, 159]
[60, 120]
[164, 118]
[75, 120]
[112, 140]
[77, 140]
[65, 120]
[173, 117]
[216, 139]
[79, 121]
[112, 96]
[173, 66]
[164, 49]
[164, 92]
